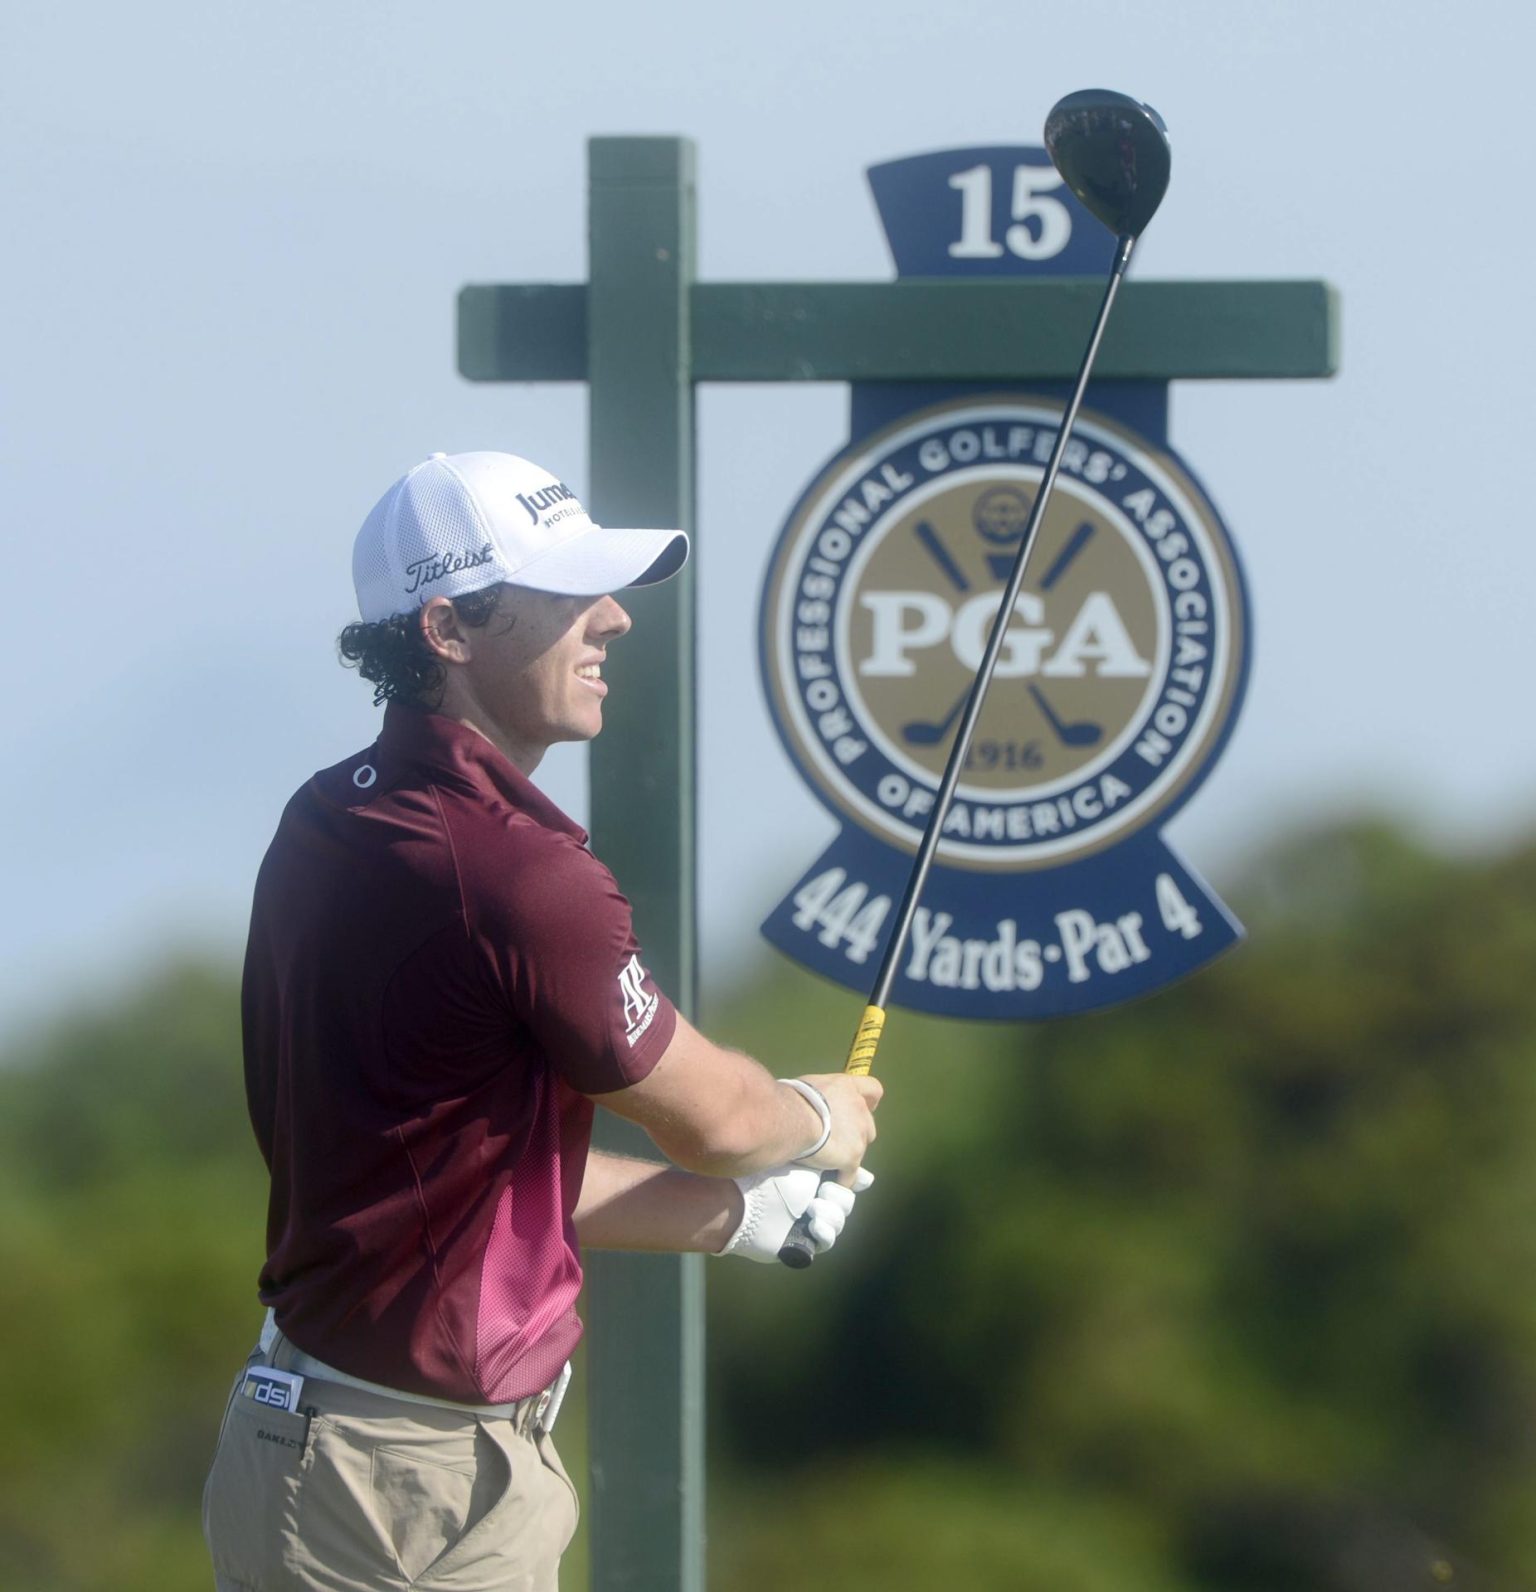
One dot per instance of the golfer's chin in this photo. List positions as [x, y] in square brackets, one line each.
[583, 726]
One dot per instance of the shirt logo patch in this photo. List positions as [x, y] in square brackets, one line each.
[639, 1003]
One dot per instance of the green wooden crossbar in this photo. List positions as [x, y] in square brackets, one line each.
[929, 331]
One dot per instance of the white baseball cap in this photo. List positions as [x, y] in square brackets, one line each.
[462, 521]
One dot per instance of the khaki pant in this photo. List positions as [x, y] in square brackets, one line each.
[360, 1493]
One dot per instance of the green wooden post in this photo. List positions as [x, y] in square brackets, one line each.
[645, 1331]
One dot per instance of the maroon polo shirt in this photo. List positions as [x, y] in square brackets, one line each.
[438, 975]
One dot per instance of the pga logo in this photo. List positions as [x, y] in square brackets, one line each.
[1119, 671]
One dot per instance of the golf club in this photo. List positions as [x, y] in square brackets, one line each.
[1113, 153]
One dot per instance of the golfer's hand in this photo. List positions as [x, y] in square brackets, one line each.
[774, 1201]
[852, 1101]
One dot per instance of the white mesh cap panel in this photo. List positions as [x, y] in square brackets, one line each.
[374, 578]
[426, 537]
[442, 541]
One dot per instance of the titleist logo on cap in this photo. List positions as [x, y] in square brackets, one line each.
[426, 570]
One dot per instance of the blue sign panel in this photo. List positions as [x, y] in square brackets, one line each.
[1119, 679]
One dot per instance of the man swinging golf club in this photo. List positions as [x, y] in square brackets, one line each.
[440, 982]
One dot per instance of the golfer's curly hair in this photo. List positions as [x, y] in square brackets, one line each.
[394, 656]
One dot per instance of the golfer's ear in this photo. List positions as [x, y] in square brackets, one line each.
[443, 631]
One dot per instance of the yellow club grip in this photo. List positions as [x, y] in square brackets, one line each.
[866, 1042]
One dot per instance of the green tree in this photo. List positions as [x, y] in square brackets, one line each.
[131, 1203]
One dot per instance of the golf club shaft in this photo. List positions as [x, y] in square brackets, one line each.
[798, 1250]
[968, 721]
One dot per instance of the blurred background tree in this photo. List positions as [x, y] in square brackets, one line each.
[1231, 1289]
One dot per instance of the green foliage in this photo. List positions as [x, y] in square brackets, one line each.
[1232, 1289]
[921, 1521]
[131, 1204]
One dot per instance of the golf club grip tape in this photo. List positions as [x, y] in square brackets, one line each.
[798, 1250]
[861, 1057]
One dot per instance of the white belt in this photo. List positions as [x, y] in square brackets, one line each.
[302, 1364]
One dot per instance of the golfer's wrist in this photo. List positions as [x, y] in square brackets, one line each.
[734, 1215]
[818, 1104]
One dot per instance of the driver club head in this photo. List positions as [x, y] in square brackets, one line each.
[1113, 153]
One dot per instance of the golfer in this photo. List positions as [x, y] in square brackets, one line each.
[440, 984]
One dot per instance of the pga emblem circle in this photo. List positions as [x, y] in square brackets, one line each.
[1120, 672]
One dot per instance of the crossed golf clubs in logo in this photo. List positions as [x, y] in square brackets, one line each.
[1000, 515]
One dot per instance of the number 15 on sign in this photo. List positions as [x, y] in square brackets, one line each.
[1042, 225]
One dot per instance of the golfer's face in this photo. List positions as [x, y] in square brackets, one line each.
[539, 667]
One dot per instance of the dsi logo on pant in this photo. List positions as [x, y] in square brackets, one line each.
[278, 1390]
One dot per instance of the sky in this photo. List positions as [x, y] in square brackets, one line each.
[235, 236]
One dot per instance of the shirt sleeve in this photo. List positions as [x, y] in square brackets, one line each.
[558, 937]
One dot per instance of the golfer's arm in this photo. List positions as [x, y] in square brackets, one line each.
[715, 1111]
[627, 1204]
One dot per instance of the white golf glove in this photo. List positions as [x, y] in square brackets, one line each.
[774, 1201]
